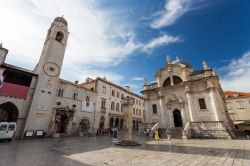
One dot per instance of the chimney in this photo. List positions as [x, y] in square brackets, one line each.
[3, 53]
[127, 88]
[88, 79]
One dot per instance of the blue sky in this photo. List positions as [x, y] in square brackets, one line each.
[128, 40]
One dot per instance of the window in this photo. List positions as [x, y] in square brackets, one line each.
[117, 94]
[104, 89]
[103, 104]
[59, 36]
[43, 91]
[11, 127]
[3, 127]
[136, 111]
[154, 109]
[240, 105]
[75, 95]
[229, 106]
[167, 82]
[202, 103]
[139, 112]
[133, 111]
[113, 92]
[121, 108]
[60, 92]
[139, 102]
[112, 105]
[117, 107]
[87, 98]
[177, 80]
[122, 96]
[136, 101]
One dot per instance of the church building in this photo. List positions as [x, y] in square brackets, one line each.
[187, 101]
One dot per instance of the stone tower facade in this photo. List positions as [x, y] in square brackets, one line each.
[48, 70]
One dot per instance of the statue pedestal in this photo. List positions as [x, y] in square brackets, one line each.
[127, 104]
[128, 143]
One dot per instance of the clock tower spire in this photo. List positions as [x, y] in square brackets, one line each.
[48, 70]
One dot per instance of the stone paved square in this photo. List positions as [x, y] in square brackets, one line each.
[78, 151]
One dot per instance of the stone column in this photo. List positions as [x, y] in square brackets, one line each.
[162, 110]
[213, 103]
[190, 101]
[184, 121]
[171, 79]
[170, 115]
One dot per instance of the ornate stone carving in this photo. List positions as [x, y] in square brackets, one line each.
[205, 65]
[187, 89]
[169, 60]
[170, 69]
[210, 84]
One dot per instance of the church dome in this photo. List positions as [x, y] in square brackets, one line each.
[62, 20]
[181, 61]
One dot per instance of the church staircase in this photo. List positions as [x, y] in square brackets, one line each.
[209, 129]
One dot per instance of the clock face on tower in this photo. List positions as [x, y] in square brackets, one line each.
[51, 69]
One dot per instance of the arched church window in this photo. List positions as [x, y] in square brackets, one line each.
[112, 105]
[59, 36]
[167, 82]
[117, 106]
[177, 80]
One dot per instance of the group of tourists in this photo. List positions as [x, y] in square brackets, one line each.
[156, 134]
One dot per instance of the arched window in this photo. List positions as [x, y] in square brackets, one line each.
[177, 80]
[117, 106]
[167, 82]
[112, 105]
[59, 36]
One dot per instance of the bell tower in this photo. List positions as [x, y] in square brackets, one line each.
[48, 70]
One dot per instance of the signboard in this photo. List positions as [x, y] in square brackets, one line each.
[87, 106]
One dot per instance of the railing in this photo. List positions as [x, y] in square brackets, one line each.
[150, 87]
[207, 124]
[186, 133]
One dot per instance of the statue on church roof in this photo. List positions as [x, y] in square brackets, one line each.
[145, 81]
[205, 65]
[169, 60]
[177, 59]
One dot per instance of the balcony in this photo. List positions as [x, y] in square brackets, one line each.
[103, 110]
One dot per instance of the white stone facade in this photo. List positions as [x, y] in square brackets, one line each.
[238, 105]
[109, 106]
[181, 95]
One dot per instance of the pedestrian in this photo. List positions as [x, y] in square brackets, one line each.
[157, 138]
[89, 133]
[147, 133]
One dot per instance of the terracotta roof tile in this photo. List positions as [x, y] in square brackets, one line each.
[233, 93]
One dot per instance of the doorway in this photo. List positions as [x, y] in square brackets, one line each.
[177, 118]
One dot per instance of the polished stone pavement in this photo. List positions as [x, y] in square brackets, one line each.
[78, 151]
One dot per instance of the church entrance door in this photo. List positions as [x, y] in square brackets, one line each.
[177, 118]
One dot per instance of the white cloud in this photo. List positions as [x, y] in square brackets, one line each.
[237, 75]
[162, 40]
[138, 78]
[173, 10]
[98, 38]
[81, 73]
